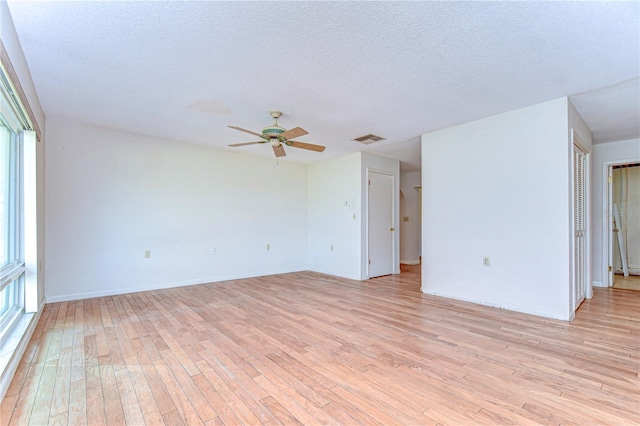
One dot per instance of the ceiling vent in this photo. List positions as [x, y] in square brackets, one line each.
[369, 139]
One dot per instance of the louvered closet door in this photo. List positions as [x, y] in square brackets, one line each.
[579, 222]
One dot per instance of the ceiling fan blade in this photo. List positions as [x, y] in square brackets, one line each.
[296, 132]
[309, 146]
[279, 151]
[246, 143]
[247, 131]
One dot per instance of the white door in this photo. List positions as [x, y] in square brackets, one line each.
[579, 222]
[380, 224]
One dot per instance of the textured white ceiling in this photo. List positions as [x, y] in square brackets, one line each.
[185, 70]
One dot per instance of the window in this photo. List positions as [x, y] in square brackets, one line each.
[12, 264]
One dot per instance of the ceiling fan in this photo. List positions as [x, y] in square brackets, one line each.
[277, 136]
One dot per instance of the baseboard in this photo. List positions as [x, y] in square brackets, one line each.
[127, 290]
[632, 271]
[498, 306]
[597, 284]
[410, 262]
[7, 374]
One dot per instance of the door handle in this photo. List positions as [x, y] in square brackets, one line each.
[392, 229]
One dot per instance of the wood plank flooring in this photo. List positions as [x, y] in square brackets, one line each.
[632, 282]
[306, 348]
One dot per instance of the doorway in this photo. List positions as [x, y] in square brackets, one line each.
[624, 235]
[380, 221]
[410, 225]
[609, 238]
[419, 189]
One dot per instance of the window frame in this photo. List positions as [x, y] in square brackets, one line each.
[14, 272]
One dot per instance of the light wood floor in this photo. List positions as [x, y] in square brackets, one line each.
[632, 282]
[306, 348]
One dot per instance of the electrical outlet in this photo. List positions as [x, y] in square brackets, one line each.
[147, 254]
[331, 247]
[354, 216]
[213, 251]
[486, 261]
[268, 246]
[405, 219]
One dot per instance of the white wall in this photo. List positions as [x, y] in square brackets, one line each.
[112, 195]
[603, 154]
[374, 163]
[410, 232]
[499, 187]
[338, 212]
[334, 198]
[580, 127]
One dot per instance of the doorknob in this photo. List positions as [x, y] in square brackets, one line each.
[392, 229]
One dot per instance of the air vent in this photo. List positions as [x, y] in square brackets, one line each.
[369, 139]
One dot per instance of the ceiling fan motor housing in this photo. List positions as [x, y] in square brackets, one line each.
[274, 131]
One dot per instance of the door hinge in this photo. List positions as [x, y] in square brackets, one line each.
[369, 261]
[369, 182]
[610, 268]
[610, 179]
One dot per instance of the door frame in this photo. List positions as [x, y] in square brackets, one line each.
[588, 289]
[370, 170]
[607, 217]
[578, 150]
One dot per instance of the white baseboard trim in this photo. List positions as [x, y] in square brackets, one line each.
[410, 262]
[596, 284]
[10, 370]
[632, 271]
[127, 290]
[507, 307]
